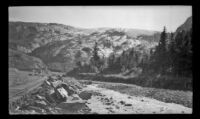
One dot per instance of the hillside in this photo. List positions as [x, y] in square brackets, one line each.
[186, 26]
[23, 61]
[61, 46]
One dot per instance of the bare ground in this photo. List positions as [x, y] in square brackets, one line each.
[113, 102]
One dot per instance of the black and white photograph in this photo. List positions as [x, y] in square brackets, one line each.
[100, 60]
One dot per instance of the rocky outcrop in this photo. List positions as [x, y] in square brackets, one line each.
[53, 92]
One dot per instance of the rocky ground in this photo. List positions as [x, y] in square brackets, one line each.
[64, 95]
[112, 102]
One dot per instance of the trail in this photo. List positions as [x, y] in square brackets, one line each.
[112, 102]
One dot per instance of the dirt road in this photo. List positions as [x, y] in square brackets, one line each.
[112, 102]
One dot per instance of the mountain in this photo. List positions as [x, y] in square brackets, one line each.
[61, 46]
[26, 37]
[186, 26]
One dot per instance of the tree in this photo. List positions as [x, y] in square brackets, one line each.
[183, 61]
[161, 53]
[171, 54]
[95, 60]
[111, 60]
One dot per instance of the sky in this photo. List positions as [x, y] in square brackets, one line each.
[138, 17]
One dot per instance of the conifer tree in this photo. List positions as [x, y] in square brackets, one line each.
[160, 53]
[95, 60]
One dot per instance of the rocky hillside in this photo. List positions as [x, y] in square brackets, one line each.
[61, 46]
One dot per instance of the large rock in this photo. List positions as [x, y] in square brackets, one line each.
[62, 93]
[68, 88]
[85, 95]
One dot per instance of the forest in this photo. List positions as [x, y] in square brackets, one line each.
[168, 65]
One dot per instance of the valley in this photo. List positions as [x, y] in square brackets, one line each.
[61, 69]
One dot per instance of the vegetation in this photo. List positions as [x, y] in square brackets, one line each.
[168, 65]
[173, 59]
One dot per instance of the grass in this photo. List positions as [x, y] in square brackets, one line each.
[20, 82]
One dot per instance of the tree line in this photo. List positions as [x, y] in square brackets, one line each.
[171, 59]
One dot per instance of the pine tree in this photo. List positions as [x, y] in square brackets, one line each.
[95, 60]
[171, 54]
[161, 53]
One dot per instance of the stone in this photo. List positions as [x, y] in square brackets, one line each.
[122, 102]
[85, 95]
[128, 105]
[62, 92]
[68, 89]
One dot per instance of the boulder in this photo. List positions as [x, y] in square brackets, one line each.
[128, 105]
[122, 102]
[61, 94]
[68, 88]
[85, 95]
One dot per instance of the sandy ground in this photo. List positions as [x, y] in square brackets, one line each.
[113, 102]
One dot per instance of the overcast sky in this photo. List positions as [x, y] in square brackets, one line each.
[142, 17]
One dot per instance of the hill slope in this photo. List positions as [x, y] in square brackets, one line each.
[61, 46]
[23, 61]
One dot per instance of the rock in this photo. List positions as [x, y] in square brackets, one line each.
[117, 107]
[36, 109]
[108, 103]
[51, 79]
[128, 105]
[75, 97]
[86, 110]
[40, 104]
[122, 102]
[46, 83]
[39, 97]
[69, 89]
[62, 93]
[85, 95]
[56, 83]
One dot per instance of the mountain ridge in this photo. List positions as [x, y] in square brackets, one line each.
[52, 42]
[57, 44]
